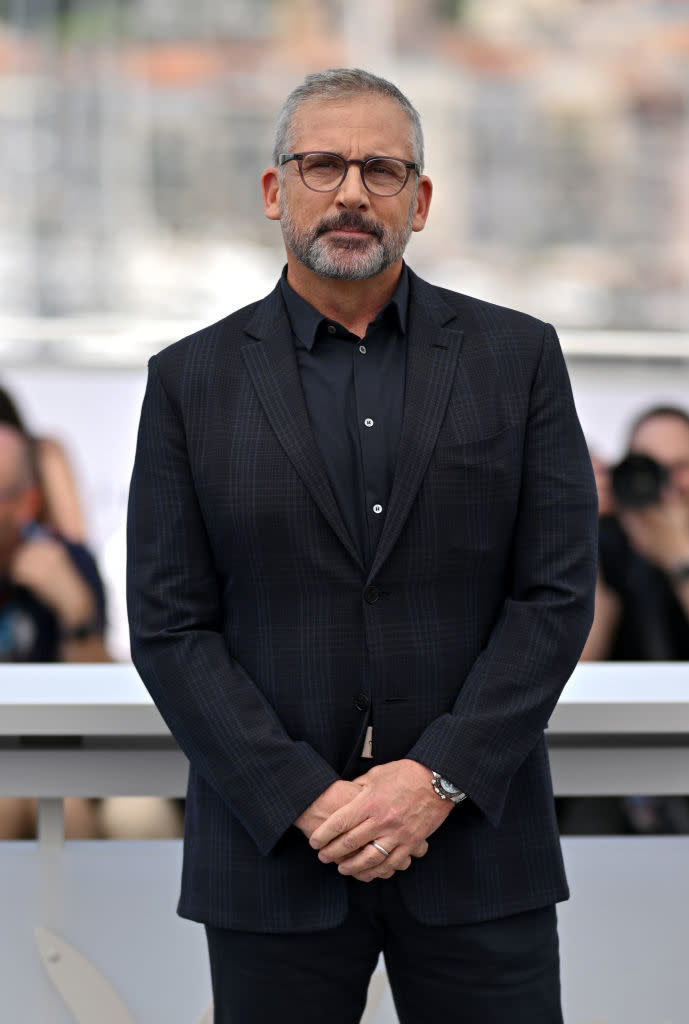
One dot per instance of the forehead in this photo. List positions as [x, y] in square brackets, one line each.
[362, 125]
[663, 437]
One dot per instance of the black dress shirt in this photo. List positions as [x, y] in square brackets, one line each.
[354, 393]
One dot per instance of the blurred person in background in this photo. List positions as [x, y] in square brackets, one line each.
[607, 604]
[52, 605]
[49, 580]
[642, 593]
[644, 547]
[601, 474]
[60, 506]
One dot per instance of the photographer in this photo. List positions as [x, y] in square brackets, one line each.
[644, 550]
[642, 595]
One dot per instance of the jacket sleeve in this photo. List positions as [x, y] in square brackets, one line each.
[508, 696]
[219, 717]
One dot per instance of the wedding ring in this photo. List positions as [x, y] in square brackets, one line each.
[380, 848]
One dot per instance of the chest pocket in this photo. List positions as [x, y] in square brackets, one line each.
[495, 449]
[474, 488]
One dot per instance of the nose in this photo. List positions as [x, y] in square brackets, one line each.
[351, 192]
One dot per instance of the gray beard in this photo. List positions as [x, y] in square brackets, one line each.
[346, 260]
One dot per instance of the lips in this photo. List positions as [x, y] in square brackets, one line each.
[350, 233]
[351, 226]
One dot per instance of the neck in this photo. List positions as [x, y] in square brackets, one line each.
[354, 304]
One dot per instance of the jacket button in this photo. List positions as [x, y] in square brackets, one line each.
[371, 595]
[361, 702]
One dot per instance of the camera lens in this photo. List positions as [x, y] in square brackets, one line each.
[638, 481]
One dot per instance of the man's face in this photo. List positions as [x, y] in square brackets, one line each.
[348, 233]
[666, 439]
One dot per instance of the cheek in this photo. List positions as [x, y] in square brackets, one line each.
[306, 215]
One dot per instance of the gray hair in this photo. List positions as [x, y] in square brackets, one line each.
[335, 83]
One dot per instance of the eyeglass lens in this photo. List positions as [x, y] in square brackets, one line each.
[384, 176]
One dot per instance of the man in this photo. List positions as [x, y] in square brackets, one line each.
[643, 613]
[51, 603]
[642, 603]
[51, 596]
[361, 569]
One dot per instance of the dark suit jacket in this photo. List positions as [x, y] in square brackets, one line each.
[269, 647]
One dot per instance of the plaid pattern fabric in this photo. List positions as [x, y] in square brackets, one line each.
[255, 628]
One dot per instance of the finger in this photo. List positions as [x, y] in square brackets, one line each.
[421, 850]
[343, 820]
[349, 842]
[384, 870]
[398, 860]
[401, 864]
[366, 859]
[369, 876]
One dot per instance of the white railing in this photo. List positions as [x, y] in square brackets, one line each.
[618, 729]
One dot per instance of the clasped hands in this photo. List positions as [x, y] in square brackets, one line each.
[393, 804]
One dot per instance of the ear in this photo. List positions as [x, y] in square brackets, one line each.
[270, 186]
[423, 203]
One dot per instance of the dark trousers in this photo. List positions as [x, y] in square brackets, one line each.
[497, 972]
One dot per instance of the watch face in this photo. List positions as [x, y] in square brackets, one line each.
[448, 787]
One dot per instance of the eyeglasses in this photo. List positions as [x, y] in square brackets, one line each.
[324, 172]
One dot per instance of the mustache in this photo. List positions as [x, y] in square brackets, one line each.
[353, 221]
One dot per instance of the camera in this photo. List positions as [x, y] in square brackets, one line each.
[638, 481]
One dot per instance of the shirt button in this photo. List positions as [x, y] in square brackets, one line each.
[331, 328]
[377, 509]
[362, 349]
[368, 422]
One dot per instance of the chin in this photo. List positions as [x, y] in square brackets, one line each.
[350, 265]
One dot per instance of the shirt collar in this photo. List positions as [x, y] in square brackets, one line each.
[306, 321]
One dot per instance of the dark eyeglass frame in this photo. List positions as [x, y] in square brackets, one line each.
[410, 165]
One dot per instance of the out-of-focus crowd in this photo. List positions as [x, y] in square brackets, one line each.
[53, 609]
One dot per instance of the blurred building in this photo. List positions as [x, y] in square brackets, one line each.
[134, 133]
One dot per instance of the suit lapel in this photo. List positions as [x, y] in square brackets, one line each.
[272, 365]
[433, 345]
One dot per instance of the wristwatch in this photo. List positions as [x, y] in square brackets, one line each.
[445, 789]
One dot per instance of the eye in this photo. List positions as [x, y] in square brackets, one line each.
[321, 162]
[380, 167]
[388, 170]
